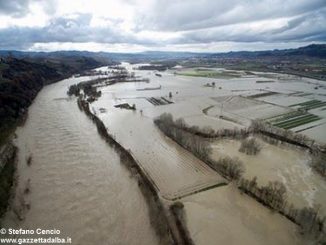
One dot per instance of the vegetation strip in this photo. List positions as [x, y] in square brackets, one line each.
[297, 122]
[289, 120]
[201, 190]
[272, 196]
[178, 213]
[309, 105]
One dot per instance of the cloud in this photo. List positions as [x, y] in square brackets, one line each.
[21, 8]
[179, 15]
[159, 23]
[16, 8]
[308, 27]
[75, 28]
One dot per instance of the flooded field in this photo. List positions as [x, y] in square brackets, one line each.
[220, 215]
[282, 163]
[175, 171]
[224, 216]
[268, 95]
[77, 183]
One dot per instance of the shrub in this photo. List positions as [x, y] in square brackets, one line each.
[230, 167]
[250, 146]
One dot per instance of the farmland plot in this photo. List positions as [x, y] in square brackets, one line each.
[309, 105]
[205, 72]
[283, 99]
[318, 133]
[246, 108]
[174, 171]
[296, 121]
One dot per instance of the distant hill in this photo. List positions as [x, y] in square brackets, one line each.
[313, 50]
[102, 56]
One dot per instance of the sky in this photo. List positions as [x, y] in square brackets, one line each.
[163, 25]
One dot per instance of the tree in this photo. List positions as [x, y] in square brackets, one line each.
[230, 167]
[181, 123]
[274, 194]
[73, 90]
[252, 186]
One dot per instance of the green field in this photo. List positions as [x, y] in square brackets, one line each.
[294, 119]
[311, 104]
[209, 73]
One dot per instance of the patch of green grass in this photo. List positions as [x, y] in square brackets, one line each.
[290, 120]
[297, 121]
[311, 104]
[282, 117]
[302, 122]
[209, 73]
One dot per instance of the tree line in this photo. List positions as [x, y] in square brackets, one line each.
[272, 195]
[231, 168]
[275, 135]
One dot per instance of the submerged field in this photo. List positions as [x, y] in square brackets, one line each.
[224, 216]
[286, 164]
[207, 100]
[175, 171]
[211, 73]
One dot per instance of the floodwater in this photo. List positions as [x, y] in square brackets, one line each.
[287, 164]
[191, 96]
[169, 165]
[219, 215]
[224, 216]
[76, 182]
[174, 170]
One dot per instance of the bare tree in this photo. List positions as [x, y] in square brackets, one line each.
[250, 146]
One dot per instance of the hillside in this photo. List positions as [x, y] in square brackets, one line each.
[21, 80]
[313, 50]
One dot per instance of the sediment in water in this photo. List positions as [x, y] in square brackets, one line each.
[159, 216]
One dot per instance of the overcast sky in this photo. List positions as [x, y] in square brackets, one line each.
[176, 25]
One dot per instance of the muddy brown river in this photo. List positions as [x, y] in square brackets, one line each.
[76, 182]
